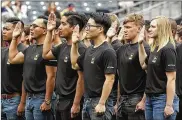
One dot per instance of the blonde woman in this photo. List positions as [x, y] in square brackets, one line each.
[161, 100]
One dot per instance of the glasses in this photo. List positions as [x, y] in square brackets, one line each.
[88, 26]
[35, 26]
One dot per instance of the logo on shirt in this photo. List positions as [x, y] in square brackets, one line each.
[171, 65]
[92, 61]
[8, 63]
[131, 56]
[66, 59]
[110, 67]
[154, 59]
[36, 57]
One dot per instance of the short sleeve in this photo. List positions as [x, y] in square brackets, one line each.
[80, 61]
[56, 50]
[169, 60]
[50, 63]
[109, 61]
[147, 50]
[116, 44]
[81, 48]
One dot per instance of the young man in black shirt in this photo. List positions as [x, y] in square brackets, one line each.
[12, 96]
[38, 74]
[132, 77]
[179, 79]
[67, 79]
[98, 64]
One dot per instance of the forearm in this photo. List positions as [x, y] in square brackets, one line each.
[170, 91]
[107, 87]
[118, 93]
[142, 55]
[47, 44]
[74, 54]
[108, 39]
[79, 91]
[50, 83]
[23, 95]
[13, 51]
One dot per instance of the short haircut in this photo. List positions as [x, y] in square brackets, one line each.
[14, 21]
[58, 23]
[45, 19]
[102, 19]
[136, 18]
[74, 18]
[27, 30]
[173, 24]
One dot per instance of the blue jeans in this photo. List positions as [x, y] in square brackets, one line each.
[155, 104]
[9, 108]
[88, 111]
[127, 105]
[32, 109]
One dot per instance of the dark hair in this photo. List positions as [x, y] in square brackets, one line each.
[14, 21]
[71, 5]
[102, 19]
[58, 23]
[173, 24]
[74, 18]
[27, 30]
[45, 19]
[147, 24]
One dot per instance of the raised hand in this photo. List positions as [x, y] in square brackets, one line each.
[76, 34]
[51, 22]
[112, 30]
[18, 30]
[141, 35]
[121, 34]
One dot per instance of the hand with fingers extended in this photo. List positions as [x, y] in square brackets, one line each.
[51, 24]
[141, 35]
[112, 30]
[76, 34]
[121, 34]
[100, 109]
[18, 30]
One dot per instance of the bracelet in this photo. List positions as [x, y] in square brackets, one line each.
[48, 102]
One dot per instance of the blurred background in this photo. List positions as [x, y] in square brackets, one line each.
[29, 10]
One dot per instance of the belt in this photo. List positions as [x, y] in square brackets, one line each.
[9, 96]
[34, 94]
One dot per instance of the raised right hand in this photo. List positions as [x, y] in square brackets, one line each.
[76, 34]
[51, 24]
[18, 30]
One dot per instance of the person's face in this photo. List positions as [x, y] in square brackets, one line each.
[153, 29]
[37, 29]
[92, 29]
[65, 30]
[8, 31]
[131, 30]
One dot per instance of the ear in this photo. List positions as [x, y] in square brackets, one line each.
[101, 29]
[45, 31]
[56, 31]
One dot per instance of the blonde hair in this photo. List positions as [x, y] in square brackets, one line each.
[136, 18]
[164, 33]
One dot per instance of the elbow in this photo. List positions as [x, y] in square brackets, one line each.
[44, 56]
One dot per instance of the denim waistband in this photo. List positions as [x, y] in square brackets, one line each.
[35, 94]
[133, 95]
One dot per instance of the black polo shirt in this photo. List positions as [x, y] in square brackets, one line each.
[95, 63]
[132, 77]
[34, 69]
[158, 64]
[66, 78]
[11, 74]
[179, 70]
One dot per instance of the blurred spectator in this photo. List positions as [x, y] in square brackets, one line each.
[178, 36]
[70, 8]
[52, 8]
[6, 11]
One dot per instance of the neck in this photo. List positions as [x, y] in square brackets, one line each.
[69, 40]
[57, 40]
[99, 40]
[135, 40]
[40, 40]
